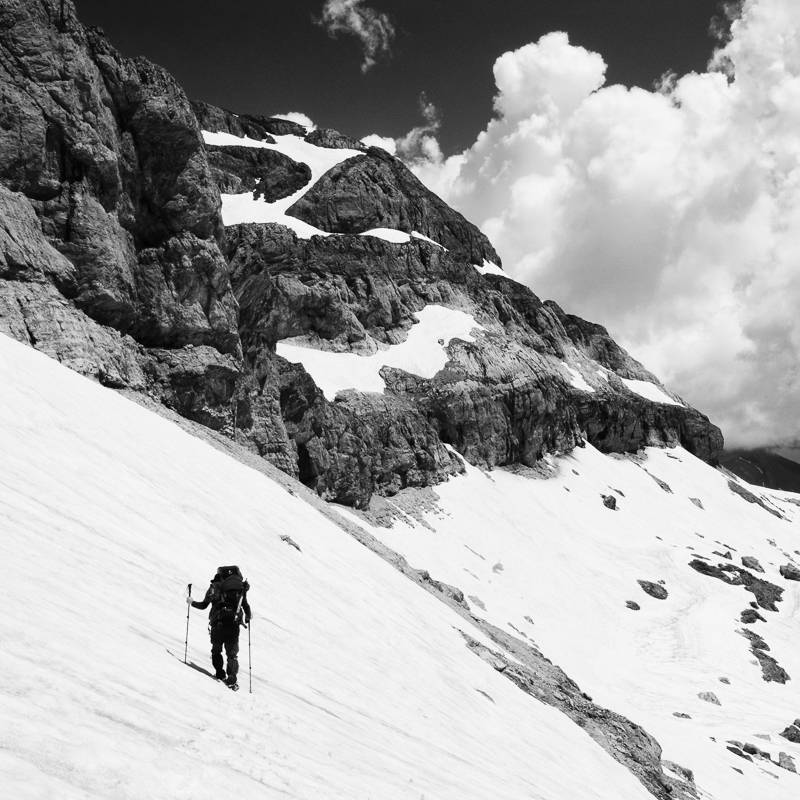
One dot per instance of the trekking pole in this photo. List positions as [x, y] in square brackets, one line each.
[186, 643]
[249, 655]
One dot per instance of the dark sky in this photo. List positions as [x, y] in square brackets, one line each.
[268, 57]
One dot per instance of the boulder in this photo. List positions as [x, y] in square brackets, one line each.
[790, 572]
[787, 762]
[751, 562]
[654, 589]
[792, 732]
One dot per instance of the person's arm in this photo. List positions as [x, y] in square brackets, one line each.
[201, 604]
[246, 607]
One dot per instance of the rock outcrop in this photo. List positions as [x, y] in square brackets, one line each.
[269, 174]
[379, 191]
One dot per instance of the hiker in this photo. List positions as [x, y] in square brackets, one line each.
[227, 595]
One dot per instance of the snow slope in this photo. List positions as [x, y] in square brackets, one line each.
[546, 560]
[362, 684]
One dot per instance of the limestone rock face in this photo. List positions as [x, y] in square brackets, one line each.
[106, 151]
[114, 259]
[503, 399]
[109, 210]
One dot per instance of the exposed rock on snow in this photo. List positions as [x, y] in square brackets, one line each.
[750, 615]
[746, 494]
[787, 762]
[625, 740]
[792, 732]
[291, 542]
[790, 572]
[654, 589]
[771, 671]
[609, 501]
[751, 562]
[767, 594]
[663, 484]
[738, 752]
[709, 697]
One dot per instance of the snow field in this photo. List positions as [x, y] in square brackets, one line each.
[550, 551]
[363, 686]
[423, 353]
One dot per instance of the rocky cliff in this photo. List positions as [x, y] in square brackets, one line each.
[119, 257]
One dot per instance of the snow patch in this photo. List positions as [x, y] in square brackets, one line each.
[225, 139]
[398, 237]
[418, 235]
[423, 353]
[577, 380]
[490, 268]
[241, 208]
[649, 391]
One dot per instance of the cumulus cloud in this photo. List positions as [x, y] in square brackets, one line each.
[373, 29]
[299, 117]
[671, 216]
[375, 140]
[420, 143]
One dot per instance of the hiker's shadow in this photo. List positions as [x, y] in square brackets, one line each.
[198, 668]
[191, 664]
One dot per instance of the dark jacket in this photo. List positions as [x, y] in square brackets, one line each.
[212, 597]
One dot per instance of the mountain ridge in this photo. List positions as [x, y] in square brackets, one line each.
[147, 289]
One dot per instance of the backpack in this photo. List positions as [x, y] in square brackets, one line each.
[229, 591]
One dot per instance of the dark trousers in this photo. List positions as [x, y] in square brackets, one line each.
[225, 634]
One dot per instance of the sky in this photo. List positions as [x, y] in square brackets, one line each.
[264, 57]
[639, 163]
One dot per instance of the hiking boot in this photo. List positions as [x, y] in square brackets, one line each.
[230, 680]
[220, 675]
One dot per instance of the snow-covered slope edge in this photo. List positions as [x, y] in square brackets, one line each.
[363, 685]
[678, 609]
